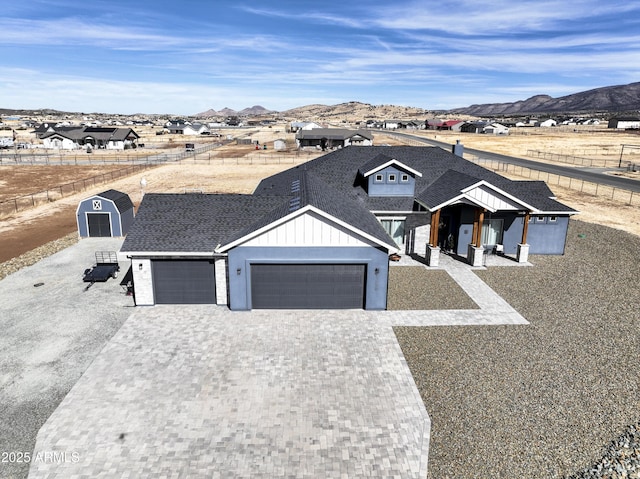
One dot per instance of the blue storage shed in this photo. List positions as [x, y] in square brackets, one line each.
[109, 213]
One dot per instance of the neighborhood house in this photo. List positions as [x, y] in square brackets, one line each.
[319, 235]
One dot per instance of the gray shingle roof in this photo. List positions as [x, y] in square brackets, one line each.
[332, 134]
[199, 222]
[121, 200]
[193, 222]
[339, 169]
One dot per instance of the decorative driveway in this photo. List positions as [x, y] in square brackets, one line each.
[201, 391]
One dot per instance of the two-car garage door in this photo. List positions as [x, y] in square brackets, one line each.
[308, 286]
[273, 286]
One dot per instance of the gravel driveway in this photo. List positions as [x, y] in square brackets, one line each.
[50, 335]
[542, 400]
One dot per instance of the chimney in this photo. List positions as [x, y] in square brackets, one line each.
[458, 149]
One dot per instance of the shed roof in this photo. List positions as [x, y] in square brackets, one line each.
[121, 200]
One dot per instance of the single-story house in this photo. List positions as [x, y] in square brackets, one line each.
[109, 213]
[625, 123]
[330, 138]
[495, 129]
[73, 138]
[296, 126]
[191, 129]
[548, 123]
[319, 235]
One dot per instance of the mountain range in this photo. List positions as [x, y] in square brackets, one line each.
[607, 101]
[610, 99]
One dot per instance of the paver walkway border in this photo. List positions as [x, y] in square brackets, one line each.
[201, 391]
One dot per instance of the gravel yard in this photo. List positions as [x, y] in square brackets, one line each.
[417, 288]
[546, 399]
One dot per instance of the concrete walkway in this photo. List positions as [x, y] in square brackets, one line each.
[200, 391]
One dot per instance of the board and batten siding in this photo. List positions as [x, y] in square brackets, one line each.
[309, 229]
[492, 199]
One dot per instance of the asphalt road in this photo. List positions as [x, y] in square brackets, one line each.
[594, 175]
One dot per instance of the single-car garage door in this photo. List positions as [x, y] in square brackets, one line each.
[184, 282]
[99, 224]
[307, 286]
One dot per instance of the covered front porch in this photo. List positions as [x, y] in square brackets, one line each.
[481, 221]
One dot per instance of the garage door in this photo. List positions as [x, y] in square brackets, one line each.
[307, 286]
[184, 282]
[99, 224]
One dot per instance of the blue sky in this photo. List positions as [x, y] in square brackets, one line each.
[186, 56]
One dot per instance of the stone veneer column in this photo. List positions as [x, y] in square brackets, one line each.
[433, 256]
[220, 268]
[475, 255]
[142, 281]
[522, 255]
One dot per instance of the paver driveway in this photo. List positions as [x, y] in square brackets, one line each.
[200, 391]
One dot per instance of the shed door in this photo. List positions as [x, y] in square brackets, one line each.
[307, 286]
[99, 224]
[184, 282]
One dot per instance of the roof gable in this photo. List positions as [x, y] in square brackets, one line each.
[380, 162]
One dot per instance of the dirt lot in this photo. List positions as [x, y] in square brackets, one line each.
[26, 230]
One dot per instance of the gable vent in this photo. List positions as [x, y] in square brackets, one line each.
[294, 203]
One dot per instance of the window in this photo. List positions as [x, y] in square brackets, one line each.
[553, 219]
[492, 231]
[404, 178]
[379, 179]
[394, 228]
[540, 219]
[391, 178]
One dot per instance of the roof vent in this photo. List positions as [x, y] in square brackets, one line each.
[294, 203]
[295, 186]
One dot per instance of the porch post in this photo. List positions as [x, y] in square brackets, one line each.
[435, 222]
[433, 252]
[525, 228]
[522, 253]
[477, 227]
[475, 252]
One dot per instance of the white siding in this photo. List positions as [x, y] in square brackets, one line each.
[492, 199]
[309, 229]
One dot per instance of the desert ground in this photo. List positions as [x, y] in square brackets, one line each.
[238, 169]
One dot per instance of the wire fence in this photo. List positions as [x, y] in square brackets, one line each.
[587, 187]
[574, 160]
[45, 158]
[200, 156]
[25, 202]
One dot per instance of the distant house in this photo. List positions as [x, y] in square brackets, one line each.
[73, 138]
[331, 138]
[187, 128]
[625, 123]
[495, 129]
[472, 126]
[451, 125]
[296, 126]
[547, 123]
